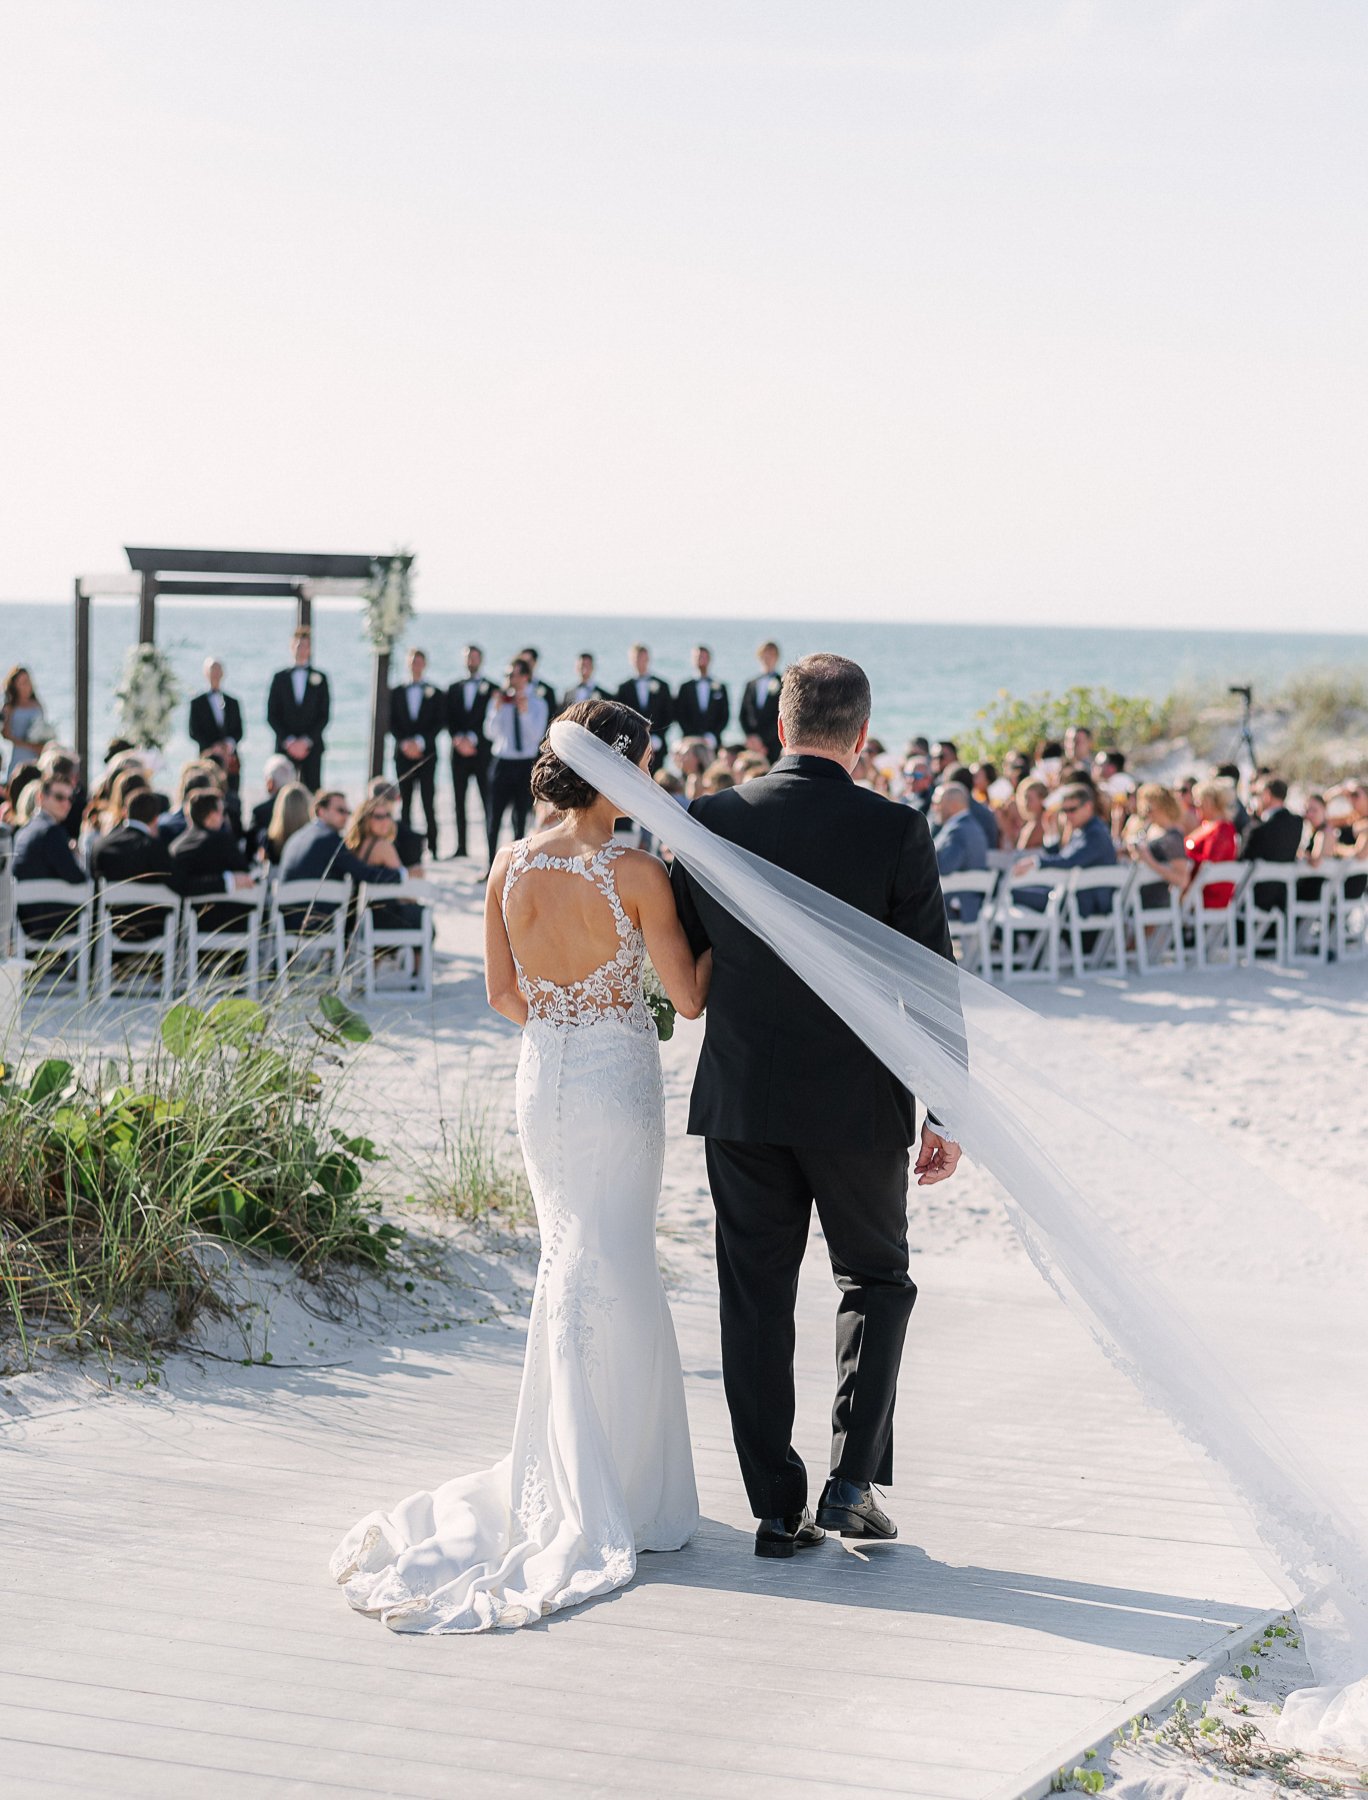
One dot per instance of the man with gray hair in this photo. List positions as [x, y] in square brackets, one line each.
[797, 1111]
[960, 845]
[216, 720]
[279, 773]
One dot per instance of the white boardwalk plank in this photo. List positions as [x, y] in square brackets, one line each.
[168, 1626]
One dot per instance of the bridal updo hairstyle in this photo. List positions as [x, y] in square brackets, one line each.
[556, 782]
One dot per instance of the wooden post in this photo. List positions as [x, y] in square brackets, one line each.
[147, 608]
[81, 679]
[379, 712]
[303, 610]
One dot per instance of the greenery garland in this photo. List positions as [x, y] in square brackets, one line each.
[388, 599]
[147, 697]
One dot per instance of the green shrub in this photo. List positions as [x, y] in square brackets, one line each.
[1010, 723]
[113, 1179]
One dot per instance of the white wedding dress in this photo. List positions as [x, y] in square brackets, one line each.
[601, 1466]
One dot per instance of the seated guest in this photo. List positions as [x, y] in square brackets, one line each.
[279, 773]
[206, 859]
[196, 777]
[407, 841]
[1155, 838]
[291, 811]
[959, 844]
[1275, 836]
[102, 817]
[1089, 846]
[1049, 762]
[1031, 796]
[42, 852]
[716, 780]
[1215, 839]
[748, 767]
[26, 775]
[983, 814]
[132, 851]
[370, 836]
[918, 782]
[64, 765]
[317, 853]
[1231, 772]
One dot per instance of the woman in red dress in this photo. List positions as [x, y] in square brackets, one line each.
[1214, 839]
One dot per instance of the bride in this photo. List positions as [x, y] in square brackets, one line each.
[600, 1467]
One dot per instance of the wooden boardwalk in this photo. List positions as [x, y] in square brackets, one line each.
[168, 1627]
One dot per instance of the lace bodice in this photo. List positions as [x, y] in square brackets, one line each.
[611, 991]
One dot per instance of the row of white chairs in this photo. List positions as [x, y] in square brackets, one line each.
[1312, 914]
[274, 931]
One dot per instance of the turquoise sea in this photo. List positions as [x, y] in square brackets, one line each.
[928, 678]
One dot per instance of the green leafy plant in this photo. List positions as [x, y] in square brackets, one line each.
[114, 1178]
[1013, 723]
[472, 1175]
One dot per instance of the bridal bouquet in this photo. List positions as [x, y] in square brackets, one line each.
[658, 1003]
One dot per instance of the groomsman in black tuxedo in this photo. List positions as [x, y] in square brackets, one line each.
[415, 717]
[543, 688]
[651, 697]
[760, 704]
[216, 721]
[702, 708]
[297, 711]
[471, 752]
[586, 688]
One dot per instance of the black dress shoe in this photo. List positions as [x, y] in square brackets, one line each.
[849, 1507]
[782, 1536]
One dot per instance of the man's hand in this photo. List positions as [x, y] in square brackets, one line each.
[937, 1159]
[241, 881]
[411, 748]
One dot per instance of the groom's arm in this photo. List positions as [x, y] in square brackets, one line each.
[919, 913]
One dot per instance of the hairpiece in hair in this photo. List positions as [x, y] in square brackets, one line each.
[623, 744]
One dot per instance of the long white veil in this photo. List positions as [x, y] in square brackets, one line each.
[1228, 1303]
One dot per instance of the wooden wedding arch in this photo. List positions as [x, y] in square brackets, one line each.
[302, 576]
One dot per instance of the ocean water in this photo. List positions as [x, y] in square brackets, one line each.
[930, 678]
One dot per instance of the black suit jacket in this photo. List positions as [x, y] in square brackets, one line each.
[778, 1066]
[431, 717]
[463, 720]
[316, 853]
[1275, 839]
[204, 727]
[695, 720]
[659, 708]
[572, 695]
[43, 852]
[760, 718]
[127, 854]
[200, 859]
[287, 718]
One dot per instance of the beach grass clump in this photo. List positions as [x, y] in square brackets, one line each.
[121, 1179]
[473, 1175]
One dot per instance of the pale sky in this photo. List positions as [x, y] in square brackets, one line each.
[907, 309]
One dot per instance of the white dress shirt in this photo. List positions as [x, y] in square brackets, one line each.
[516, 736]
[216, 707]
[299, 678]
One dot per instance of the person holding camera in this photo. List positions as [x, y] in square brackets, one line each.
[515, 725]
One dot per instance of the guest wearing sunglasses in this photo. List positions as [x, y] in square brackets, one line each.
[1088, 846]
[42, 852]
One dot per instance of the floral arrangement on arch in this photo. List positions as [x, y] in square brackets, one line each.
[388, 599]
[147, 696]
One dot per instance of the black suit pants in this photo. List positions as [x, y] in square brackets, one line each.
[310, 771]
[466, 770]
[764, 1194]
[421, 773]
[510, 789]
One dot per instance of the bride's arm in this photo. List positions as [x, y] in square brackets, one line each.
[501, 977]
[648, 893]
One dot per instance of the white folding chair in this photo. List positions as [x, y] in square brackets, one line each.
[1039, 930]
[1266, 923]
[145, 898]
[413, 943]
[1156, 920]
[72, 946]
[223, 942]
[1349, 901]
[1215, 937]
[317, 929]
[1107, 925]
[972, 938]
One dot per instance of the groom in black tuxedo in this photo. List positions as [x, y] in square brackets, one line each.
[797, 1111]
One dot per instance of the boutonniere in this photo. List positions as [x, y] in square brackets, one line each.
[315, 680]
[428, 692]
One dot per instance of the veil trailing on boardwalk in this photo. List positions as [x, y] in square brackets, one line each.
[1230, 1305]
